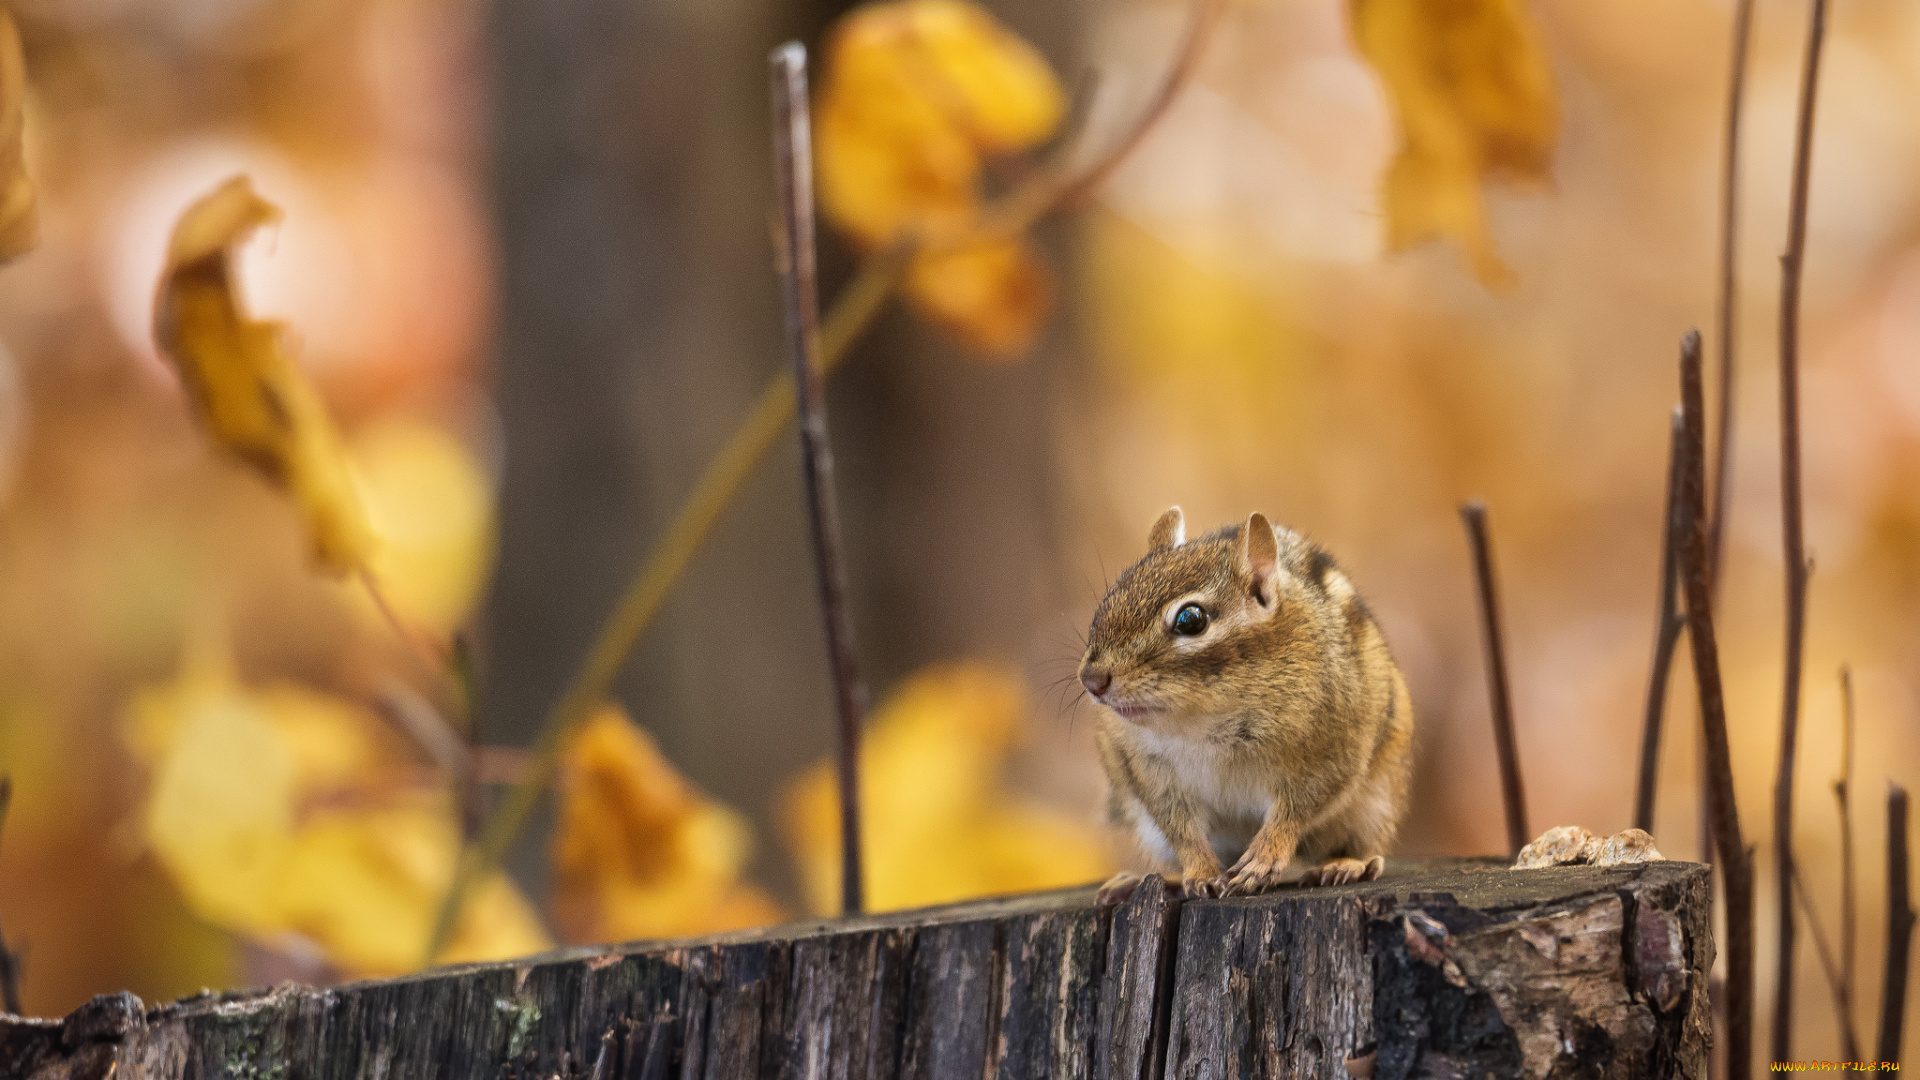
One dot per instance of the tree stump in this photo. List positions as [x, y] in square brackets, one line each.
[1443, 968]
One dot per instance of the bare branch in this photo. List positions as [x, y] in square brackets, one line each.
[1515, 799]
[1893, 987]
[1736, 865]
[1843, 791]
[9, 963]
[1666, 638]
[1828, 967]
[1729, 237]
[429, 730]
[1790, 518]
[793, 168]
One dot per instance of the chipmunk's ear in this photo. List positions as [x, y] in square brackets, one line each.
[1169, 532]
[1259, 557]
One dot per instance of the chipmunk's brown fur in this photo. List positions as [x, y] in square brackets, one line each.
[1283, 729]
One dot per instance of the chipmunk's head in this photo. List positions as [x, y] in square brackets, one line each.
[1200, 630]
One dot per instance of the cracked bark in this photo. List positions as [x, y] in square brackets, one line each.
[1443, 968]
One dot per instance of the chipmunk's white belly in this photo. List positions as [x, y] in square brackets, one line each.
[1233, 808]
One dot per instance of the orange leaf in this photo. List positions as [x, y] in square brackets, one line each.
[917, 94]
[639, 853]
[251, 398]
[1474, 93]
[991, 295]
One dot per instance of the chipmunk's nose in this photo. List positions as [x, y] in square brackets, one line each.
[1096, 681]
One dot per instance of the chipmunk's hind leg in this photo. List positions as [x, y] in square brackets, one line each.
[1342, 871]
[1121, 887]
[1117, 889]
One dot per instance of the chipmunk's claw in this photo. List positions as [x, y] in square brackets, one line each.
[1204, 888]
[1251, 877]
[1343, 871]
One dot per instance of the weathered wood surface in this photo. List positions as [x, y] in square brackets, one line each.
[1444, 968]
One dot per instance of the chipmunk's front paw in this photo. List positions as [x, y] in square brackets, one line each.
[1204, 887]
[1342, 871]
[1251, 877]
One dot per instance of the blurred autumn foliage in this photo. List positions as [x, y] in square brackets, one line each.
[287, 817]
[942, 825]
[19, 225]
[1474, 95]
[233, 766]
[920, 97]
[638, 853]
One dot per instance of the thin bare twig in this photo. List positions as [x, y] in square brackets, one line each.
[435, 655]
[1736, 864]
[446, 662]
[1474, 514]
[424, 725]
[1716, 902]
[9, 963]
[1705, 802]
[1790, 517]
[793, 170]
[1729, 265]
[1729, 268]
[1067, 185]
[1705, 839]
[1893, 988]
[465, 679]
[1842, 791]
[1786, 866]
[852, 311]
[1828, 966]
[1666, 638]
[501, 764]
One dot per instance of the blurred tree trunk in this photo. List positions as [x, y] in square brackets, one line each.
[638, 318]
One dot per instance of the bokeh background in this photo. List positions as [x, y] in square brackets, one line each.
[526, 258]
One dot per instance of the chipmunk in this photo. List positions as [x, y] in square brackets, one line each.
[1252, 711]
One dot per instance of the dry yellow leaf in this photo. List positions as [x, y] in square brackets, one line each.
[639, 853]
[917, 94]
[992, 295]
[333, 744]
[938, 823]
[889, 160]
[251, 398]
[270, 810]
[431, 509]
[19, 224]
[366, 885]
[222, 799]
[1473, 91]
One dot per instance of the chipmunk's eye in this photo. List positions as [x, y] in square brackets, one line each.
[1190, 621]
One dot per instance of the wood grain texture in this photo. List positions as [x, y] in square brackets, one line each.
[1441, 968]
